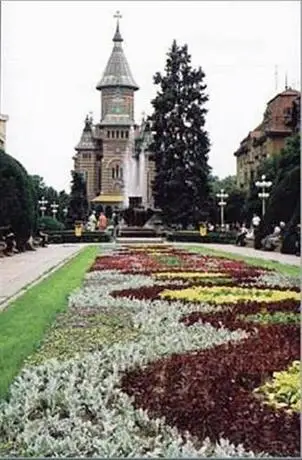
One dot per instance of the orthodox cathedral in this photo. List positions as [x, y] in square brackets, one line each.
[104, 146]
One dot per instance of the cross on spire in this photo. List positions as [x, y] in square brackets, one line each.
[118, 15]
[117, 36]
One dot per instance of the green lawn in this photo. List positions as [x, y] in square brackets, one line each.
[24, 323]
[291, 270]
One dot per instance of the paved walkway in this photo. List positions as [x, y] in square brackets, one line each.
[21, 270]
[251, 252]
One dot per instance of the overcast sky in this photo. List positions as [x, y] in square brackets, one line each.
[54, 53]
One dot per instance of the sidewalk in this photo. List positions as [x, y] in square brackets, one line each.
[251, 252]
[21, 270]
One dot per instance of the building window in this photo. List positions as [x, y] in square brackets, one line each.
[86, 156]
[117, 172]
[112, 134]
[127, 134]
[117, 134]
[99, 170]
[122, 134]
[85, 175]
[108, 134]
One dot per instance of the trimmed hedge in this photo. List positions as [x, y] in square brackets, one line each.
[192, 236]
[68, 236]
[50, 224]
[133, 232]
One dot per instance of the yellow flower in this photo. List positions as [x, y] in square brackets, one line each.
[284, 390]
[189, 275]
[226, 294]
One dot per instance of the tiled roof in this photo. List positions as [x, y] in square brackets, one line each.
[108, 199]
[117, 72]
[87, 141]
[278, 111]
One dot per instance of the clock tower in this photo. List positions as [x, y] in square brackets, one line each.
[110, 136]
[117, 87]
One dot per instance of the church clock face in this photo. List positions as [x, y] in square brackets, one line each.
[118, 105]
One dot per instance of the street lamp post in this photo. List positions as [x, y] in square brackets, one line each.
[263, 184]
[43, 204]
[54, 209]
[222, 204]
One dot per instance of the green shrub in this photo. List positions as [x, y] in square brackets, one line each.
[16, 204]
[48, 223]
[192, 236]
[279, 317]
[68, 236]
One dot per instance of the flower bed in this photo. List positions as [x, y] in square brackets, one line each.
[223, 294]
[126, 372]
[210, 393]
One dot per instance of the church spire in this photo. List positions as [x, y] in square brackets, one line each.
[117, 36]
[117, 72]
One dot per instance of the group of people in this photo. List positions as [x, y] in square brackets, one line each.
[270, 241]
[8, 242]
[102, 222]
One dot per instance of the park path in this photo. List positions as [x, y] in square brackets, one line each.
[20, 271]
[251, 252]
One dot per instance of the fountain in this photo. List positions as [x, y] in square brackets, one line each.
[134, 214]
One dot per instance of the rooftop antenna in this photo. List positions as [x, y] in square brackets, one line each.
[276, 78]
[286, 83]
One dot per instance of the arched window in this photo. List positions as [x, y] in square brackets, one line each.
[117, 172]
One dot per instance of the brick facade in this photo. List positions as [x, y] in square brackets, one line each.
[281, 120]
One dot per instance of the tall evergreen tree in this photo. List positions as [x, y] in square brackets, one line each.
[78, 204]
[180, 144]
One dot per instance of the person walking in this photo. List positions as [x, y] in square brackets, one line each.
[115, 221]
[240, 240]
[102, 222]
[256, 230]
